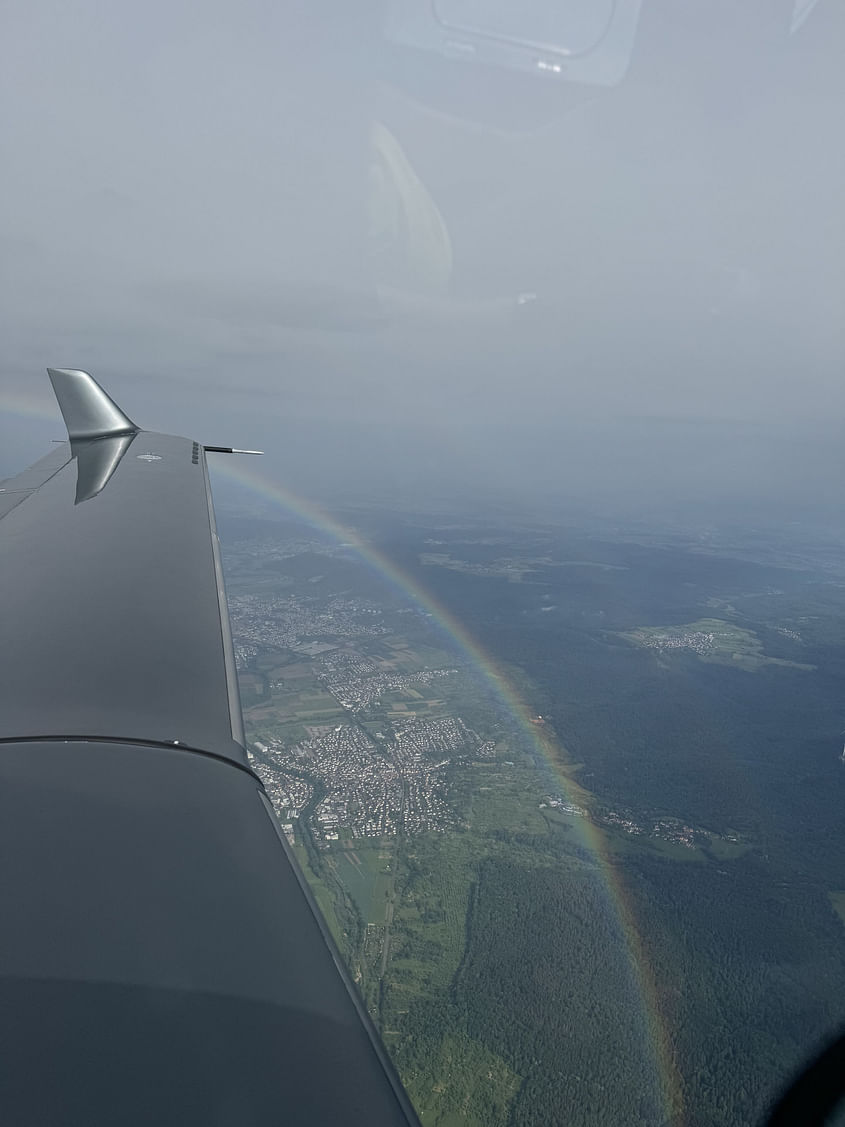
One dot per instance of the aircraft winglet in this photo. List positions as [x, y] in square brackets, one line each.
[87, 410]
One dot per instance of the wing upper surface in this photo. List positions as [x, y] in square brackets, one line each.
[14, 490]
[114, 618]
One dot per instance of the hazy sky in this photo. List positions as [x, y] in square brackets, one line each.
[263, 222]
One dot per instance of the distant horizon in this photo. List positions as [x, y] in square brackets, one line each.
[641, 465]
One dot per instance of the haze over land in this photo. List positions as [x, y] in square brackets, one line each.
[681, 729]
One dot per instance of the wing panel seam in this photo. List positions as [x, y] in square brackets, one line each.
[236, 722]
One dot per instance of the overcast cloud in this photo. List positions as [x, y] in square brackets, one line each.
[240, 217]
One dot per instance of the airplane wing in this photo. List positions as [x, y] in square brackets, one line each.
[161, 957]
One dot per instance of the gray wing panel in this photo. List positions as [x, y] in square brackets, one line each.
[114, 620]
[16, 489]
[160, 960]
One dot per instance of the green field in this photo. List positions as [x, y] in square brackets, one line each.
[837, 899]
[365, 872]
[710, 639]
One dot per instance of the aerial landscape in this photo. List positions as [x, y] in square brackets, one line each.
[568, 794]
[532, 310]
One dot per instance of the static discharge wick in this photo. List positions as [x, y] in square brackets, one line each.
[229, 450]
